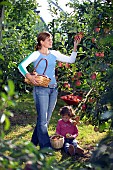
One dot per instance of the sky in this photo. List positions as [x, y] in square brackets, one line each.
[44, 12]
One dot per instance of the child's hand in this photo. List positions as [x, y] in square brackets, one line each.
[69, 136]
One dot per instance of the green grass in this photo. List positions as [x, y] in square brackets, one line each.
[23, 123]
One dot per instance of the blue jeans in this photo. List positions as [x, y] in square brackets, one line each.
[45, 99]
[68, 142]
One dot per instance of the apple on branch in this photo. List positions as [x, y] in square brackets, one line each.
[78, 83]
[67, 65]
[97, 29]
[93, 40]
[84, 107]
[91, 100]
[79, 74]
[93, 76]
[76, 37]
[66, 85]
[101, 54]
[80, 35]
[97, 54]
[60, 64]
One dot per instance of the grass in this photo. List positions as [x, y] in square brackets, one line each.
[24, 120]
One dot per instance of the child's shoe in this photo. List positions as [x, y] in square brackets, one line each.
[71, 150]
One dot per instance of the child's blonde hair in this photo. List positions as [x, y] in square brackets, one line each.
[67, 110]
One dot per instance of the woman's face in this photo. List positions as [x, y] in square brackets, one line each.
[65, 118]
[47, 43]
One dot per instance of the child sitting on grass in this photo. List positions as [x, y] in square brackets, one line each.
[66, 128]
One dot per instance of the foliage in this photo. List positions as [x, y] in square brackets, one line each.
[92, 71]
[25, 156]
[18, 37]
[102, 158]
[95, 63]
[6, 95]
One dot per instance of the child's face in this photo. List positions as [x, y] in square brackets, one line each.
[65, 118]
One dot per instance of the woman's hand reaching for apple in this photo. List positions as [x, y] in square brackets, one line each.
[77, 40]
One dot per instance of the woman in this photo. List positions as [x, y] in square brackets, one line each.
[45, 97]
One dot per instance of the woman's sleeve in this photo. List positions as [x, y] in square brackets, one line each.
[28, 60]
[64, 58]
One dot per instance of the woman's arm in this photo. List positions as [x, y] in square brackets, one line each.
[64, 58]
[28, 60]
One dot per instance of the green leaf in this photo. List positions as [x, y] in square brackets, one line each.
[4, 96]
[7, 123]
[11, 87]
[1, 57]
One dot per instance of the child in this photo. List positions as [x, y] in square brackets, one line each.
[66, 128]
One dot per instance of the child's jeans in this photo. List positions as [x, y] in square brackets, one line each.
[68, 142]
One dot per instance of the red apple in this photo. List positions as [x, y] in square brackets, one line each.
[93, 76]
[67, 65]
[84, 107]
[69, 96]
[81, 34]
[97, 54]
[97, 29]
[76, 37]
[93, 40]
[91, 100]
[79, 74]
[78, 83]
[60, 64]
[66, 85]
[64, 97]
[102, 54]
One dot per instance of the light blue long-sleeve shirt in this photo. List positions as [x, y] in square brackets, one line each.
[52, 57]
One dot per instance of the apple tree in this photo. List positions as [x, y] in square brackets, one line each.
[91, 74]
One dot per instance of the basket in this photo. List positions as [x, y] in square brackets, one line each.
[42, 80]
[57, 141]
[71, 99]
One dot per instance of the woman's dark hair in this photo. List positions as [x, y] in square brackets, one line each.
[41, 37]
[67, 110]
